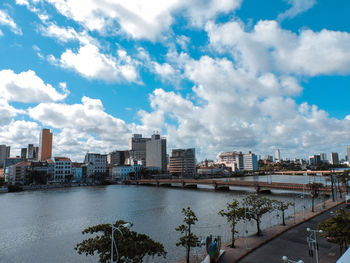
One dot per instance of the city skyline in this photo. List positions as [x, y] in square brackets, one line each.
[239, 75]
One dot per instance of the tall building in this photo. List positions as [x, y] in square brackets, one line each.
[24, 154]
[233, 160]
[45, 145]
[315, 159]
[277, 155]
[323, 157]
[116, 157]
[156, 155]
[250, 162]
[334, 158]
[4, 154]
[348, 153]
[183, 162]
[137, 147]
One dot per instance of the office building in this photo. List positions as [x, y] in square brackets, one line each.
[233, 160]
[4, 154]
[183, 162]
[334, 158]
[323, 157]
[156, 155]
[24, 154]
[116, 157]
[45, 145]
[277, 155]
[348, 153]
[250, 162]
[32, 152]
[315, 159]
[137, 147]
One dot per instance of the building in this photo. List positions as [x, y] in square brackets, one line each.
[117, 157]
[277, 155]
[250, 162]
[323, 157]
[77, 172]
[268, 159]
[156, 155]
[17, 173]
[4, 154]
[96, 165]
[233, 160]
[45, 145]
[315, 159]
[11, 161]
[62, 170]
[32, 152]
[348, 153]
[24, 154]
[334, 158]
[183, 162]
[137, 147]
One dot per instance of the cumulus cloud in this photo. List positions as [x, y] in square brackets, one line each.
[6, 20]
[297, 7]
[269, 48]
[26, 87]
[7, 112]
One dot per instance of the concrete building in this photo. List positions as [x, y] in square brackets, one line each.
[117, 157]
[137, 147]
[24, 154]
[277, 155]
[45, 145]
[96, 165]
[62, 170]
[315, 159]
[156, 153]
[77, 172]
[16, 174]
[183, 162]
[323, 157]
[4, 153]
[250, 162]
[334, 158]
[32, 152]
[348, 153]
[233, 160]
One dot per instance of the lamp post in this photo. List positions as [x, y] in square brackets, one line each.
[287, 260]
[113, 243]
[312, 241]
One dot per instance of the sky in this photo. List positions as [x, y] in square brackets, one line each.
[215, 75]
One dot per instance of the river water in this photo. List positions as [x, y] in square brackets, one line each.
[44, 226]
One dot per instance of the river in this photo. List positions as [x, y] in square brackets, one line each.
[44, 226]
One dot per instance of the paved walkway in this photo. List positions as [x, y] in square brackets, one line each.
[254, 242]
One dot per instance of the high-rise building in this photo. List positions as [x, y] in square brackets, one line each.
[156, 152]
[45, 145]
[277, 155]
[348, 153]
[233, 160]
[334, 158]
[323, 157]
[183, 162]
[250, 162]
[116, 158]
[24, 154]
[315, 159]
[137, 147]
[4, 154]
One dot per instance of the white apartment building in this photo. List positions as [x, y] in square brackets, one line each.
[233, 160]
[62, 169]
[250, 162]
[96, 164]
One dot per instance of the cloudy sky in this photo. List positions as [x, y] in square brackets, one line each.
[217, 75]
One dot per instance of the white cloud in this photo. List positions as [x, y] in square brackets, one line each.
[298, 6]
[138, 18]
[7, 112]
[26, 87]
[268, 48]
[6, 20]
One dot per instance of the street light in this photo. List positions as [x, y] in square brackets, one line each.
[126, 225]
[312, 240]
[286, 260]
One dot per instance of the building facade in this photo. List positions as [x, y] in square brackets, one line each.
[334, 158]
[24, 154]
[45, 145]
[137, 147]
[116, 157]
[183, 162]
[4, 154]
[96, 165]
[277, 155]
[233, 160]
[250, 162]
[156, 155]
[16, 174]
[62, 170]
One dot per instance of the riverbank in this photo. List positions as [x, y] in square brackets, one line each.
[245, 246]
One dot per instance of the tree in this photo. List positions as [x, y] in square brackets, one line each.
[132, 246]
[257, 206]
[189, 239]
[282, 206]
[338, 228]
[233, 215]
[345, 178]
[314, 189]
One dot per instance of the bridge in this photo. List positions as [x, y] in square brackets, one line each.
[307, 173]
[224, 185]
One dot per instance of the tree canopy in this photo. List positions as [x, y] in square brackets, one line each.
[132, 246]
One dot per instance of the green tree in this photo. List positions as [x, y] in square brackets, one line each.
[189, 239]
[233, 214]
[132, 246]
[257, 206]
[338, 228]
[314, 190]
[282, 206]
[344, 178]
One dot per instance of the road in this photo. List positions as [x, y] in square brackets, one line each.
[293, 244]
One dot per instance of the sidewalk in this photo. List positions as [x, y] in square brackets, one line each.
[253, 242]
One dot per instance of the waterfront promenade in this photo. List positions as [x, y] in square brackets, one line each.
[278, 241]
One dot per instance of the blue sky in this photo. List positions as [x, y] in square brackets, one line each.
[216, 75]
